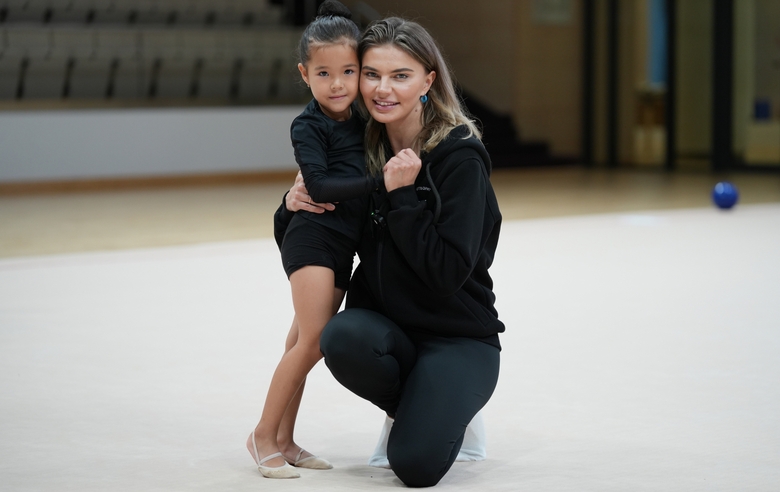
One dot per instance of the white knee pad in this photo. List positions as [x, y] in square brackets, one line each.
[473, 448]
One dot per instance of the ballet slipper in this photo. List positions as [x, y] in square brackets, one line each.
[312, 462]
[284, 471]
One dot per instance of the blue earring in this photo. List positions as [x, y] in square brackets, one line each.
[424, 98]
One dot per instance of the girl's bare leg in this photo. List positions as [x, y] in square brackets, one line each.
[285, 438]
[313, 300]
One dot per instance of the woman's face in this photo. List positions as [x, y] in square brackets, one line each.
[391, 83]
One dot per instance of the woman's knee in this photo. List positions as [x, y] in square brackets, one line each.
[417, 466]
[341, 334]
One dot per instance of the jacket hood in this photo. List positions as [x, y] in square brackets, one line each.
[457, 140]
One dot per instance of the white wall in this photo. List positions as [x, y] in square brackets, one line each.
[118, 143]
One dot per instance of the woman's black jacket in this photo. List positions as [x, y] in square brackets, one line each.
[426, 248]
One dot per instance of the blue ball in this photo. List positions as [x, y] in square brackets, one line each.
[725, 195]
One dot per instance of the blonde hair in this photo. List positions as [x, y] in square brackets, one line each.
[443, 111]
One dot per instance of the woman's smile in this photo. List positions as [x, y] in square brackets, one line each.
[385, 105]
[392, 82]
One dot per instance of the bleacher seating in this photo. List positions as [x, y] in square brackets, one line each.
[211, 12]
[133, 49]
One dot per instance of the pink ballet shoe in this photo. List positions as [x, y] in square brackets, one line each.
[284, 471]
[312, 462]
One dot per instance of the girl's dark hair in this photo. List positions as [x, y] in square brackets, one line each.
[333, 25]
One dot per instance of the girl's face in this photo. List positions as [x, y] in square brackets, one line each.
[391, 83]
[332, 74]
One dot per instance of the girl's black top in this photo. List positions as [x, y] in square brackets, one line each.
[332, 160]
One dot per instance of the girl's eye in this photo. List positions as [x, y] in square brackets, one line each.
[323, 74]
[349, 71]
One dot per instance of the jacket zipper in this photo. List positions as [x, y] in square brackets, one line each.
[380, 248]
[379, 233]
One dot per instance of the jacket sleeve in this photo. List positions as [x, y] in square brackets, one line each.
[444, 254]
[282, 219]
[310, 142]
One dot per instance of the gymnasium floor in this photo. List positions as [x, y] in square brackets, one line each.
[139, 329]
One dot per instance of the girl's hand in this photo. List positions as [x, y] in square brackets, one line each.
[402, 170]
[298, 199]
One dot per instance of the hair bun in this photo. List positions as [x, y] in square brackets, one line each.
[334, 8]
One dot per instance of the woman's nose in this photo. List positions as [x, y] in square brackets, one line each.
[383, 87]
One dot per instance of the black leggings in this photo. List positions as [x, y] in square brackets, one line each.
[432, 385]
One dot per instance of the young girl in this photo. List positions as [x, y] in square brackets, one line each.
[317, 249]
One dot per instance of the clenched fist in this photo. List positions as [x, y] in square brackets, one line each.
[402, 170]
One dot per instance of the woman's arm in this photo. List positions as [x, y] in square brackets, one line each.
[443, 254]
[296, 199]
[401, 170]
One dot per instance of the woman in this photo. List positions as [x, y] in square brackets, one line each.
[419, 337]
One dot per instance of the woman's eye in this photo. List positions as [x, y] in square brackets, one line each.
[402, 76]
[370, 75]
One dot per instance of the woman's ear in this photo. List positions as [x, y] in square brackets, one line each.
[304, 74]
[429, 80]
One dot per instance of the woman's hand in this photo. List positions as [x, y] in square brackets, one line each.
[402, 170]
[298, 199]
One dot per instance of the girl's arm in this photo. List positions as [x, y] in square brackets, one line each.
[328, 189]
[310, 141]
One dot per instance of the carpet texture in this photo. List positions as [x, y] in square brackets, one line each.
[641, 353]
